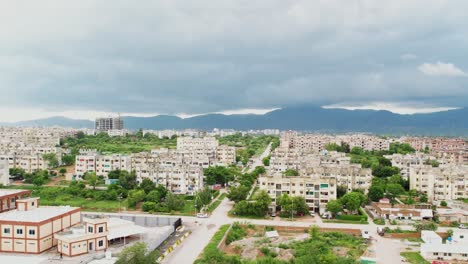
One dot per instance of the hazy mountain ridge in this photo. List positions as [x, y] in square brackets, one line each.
[310, 118]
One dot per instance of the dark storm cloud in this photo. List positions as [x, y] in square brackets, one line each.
[206, 56]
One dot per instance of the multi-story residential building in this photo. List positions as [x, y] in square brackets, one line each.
[317, 142]
[225, 155]
[181, 179]
[325, 164]
[30, 228]
[447, 182]
[436, 144]
[101, 164]
[317, 191]
[190, 143]
[404, 162]
[4, 173]
[30, 163]
[350, 176]
[109, 123]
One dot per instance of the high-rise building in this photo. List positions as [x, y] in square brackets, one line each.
[109, 123]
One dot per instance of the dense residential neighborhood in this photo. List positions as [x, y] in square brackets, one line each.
[361, 182]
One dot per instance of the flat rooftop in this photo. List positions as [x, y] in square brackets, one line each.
[36, 215]
[6, 192]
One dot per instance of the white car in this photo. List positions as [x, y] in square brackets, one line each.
[462, 226]
[202, 215]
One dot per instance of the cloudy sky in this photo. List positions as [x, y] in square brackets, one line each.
[90, 57]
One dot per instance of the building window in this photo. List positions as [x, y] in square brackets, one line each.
[32, 203]
[6, 230]
[101, 243]
[19, 231]
[90, 229]
[32, 232]
[101, 229]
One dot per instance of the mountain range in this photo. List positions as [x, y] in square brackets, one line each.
[305, 118]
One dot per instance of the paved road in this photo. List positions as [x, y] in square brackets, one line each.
[189, 250]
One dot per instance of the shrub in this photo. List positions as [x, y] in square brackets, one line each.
[236, 233]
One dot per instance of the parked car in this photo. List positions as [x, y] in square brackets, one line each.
[202, 215]
[463, 226]
[273, 214]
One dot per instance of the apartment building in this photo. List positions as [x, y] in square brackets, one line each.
[318, 142]
[108, 123]
[317, 191]
[436, 144]
[448, 182]
[4, 173]
[30, 228]
[180, 179]
[350, 176]
[191, 143]
[404, 162]
[325, 164]
[101, 164]
[29, 162]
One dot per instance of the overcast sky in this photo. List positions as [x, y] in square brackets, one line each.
[90, 57]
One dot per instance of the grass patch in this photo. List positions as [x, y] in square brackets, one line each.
[236, 233]
[212, 248]
[337, 221]
[414, 258]
[379, 221]
[216, 203]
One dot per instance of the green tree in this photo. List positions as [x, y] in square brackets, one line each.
[334, 207]
[443, 203]
[91, 178]
[237, 194]
[341, 190]
[375, 193]
[218, 175]
[68, 160]
[147, 185]
[62, 171]
[299, 205]
[385, 171]
[291, 172]
[423, 198]
[80, 135]
[51, 159]
[127, 180]
[203, 197]
[266, 160]
[395, 189]
[353, 200]
[174, 202]
[134, 197]
[137, 254]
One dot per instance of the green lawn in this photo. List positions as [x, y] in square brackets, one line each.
[85, 204]
[414, 258]
[337, 221]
